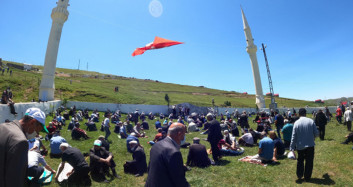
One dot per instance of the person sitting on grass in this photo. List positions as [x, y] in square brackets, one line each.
[129, 127]
[55, 143]
[159, 136]
[197, 155]
[138, 130]
[226, 149]
[122, 131]
[266, 147]
[193, 127]
[104, 142]
[100, 162]
[51, 128]
[78, 133]
[158, 124]
[131, 137]
[246, 139]
[279, 149]
[137, 166]
[145, 125]
[349, 138]
[34, 170]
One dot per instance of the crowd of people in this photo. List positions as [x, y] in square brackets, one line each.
[21, 145]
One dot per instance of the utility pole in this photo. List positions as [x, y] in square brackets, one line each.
[78, 64]
[273, 104]
[87, 66]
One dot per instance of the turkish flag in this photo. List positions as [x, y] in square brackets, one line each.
[156, 44]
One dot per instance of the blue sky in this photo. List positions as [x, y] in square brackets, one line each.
[309, 43]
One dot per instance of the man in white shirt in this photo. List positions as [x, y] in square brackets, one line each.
[106, 126]
[33, 144]
[348, 117]
[34, 170]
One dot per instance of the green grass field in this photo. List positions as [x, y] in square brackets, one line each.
[332, 165]
[25, 86]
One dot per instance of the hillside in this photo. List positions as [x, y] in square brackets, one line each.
[91, 86]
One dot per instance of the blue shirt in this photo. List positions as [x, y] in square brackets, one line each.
[158, 124]
[129, 139]
[287, 132]
[304, 133]
[267, 145]
[55, 142]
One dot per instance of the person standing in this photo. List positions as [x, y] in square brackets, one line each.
[14, 146]
[214, 136]
[339, 114]
[166, 161]
[106, 125]
[243, 121]
[348, 117]
[279, 121]
[321, 121]
[303, 140]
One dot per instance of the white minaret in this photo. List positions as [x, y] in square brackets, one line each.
[251, 49]
[59, 15]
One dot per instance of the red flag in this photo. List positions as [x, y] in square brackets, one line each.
[156, 44]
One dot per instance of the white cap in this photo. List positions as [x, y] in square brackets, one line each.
[37, 114]
[132, 142]
[64, 145]
[133, 134]
[97, 143]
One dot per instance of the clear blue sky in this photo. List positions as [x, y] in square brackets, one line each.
[309, 43]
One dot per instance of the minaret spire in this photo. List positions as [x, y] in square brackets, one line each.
[251, 49]
[59, 15]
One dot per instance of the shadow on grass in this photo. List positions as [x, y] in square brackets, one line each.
[326, 180]
[223, 162]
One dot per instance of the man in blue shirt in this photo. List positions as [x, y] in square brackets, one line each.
[266, 146]
[55, 142]
[303, 140]
[158, 124]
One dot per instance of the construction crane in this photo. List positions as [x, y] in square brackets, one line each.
[273, 104]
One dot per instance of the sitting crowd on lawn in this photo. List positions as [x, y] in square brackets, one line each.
[224, 137]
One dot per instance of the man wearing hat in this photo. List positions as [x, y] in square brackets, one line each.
[303, 140]
[138, 166]
[198, 155]
[104, 142]
[100, 161]
[14, 146]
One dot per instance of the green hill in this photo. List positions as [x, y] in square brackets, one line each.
[91, 86]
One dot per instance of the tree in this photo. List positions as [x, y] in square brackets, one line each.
[166, 97]
[227, 103]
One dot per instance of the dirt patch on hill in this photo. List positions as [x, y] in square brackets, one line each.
[196, 93]
[63, 75]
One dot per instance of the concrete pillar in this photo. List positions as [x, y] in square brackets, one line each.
[59, 15]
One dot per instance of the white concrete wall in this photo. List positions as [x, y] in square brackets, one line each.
[124, 108]
[21, 108]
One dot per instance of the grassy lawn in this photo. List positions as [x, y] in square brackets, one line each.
[94, 88]
[332, 161]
